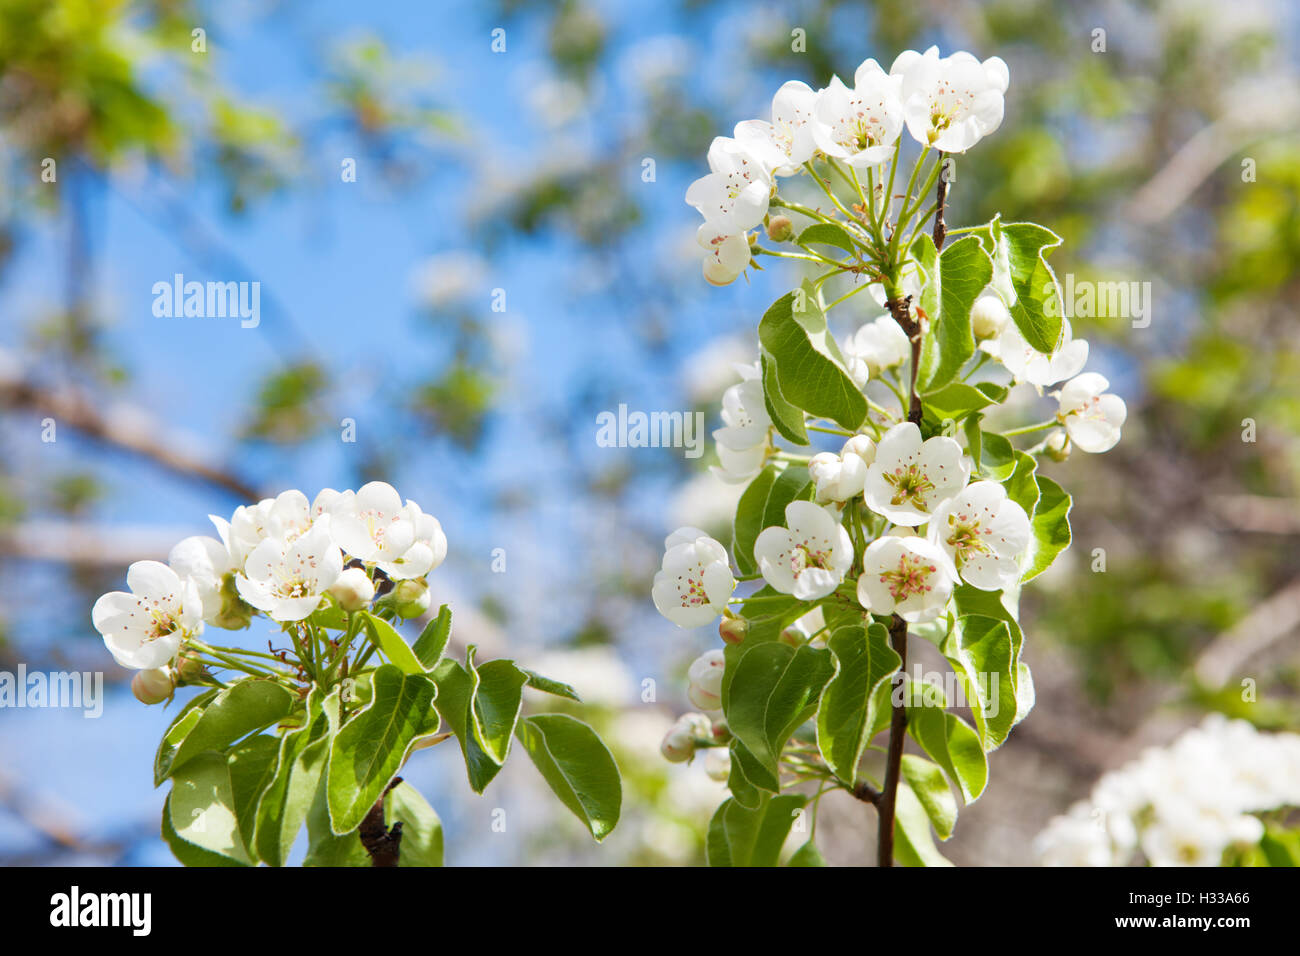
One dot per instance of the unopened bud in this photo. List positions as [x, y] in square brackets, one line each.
[732, 630]
[679, 743]
[411, 598]
[988, 317]
[354, 589]
[235, 613]
[705, 676]
[1057, 445]
[794, 636]
[780, 229]
[152, 686]
[717, 764]
[188, 667]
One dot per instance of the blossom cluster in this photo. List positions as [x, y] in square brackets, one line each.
[282, 557]
[947, 103]
[1184, 805]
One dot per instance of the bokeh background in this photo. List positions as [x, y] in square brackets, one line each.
[1173, 157]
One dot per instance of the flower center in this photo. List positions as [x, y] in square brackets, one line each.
[908, 578]
[691, 589]
[163, 624]
[803, 556]
[911, 485]
[966, 537]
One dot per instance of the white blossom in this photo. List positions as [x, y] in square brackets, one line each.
[786, 143]
[908, 576]
[1027, 364]
[205, 561]
[841, 477]
[983, 532]
[950, 102]
[733, 197]
[910, 478]
[877, 345]
[860, 125]
[288, 579]
[695, 581]
[353, 589]
[989, 317]
[809, 557]
[1091, 415]
[373, 525]
[144, 629]
[726, 255]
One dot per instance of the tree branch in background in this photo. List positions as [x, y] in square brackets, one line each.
[124, 427]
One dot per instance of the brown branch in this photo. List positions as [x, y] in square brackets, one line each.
[901, 310]
[866, 793]
[124, 428]
[894, 759]
[384, 844]
[941, 230]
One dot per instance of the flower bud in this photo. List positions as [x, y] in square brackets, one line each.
[780, 229]
[679, 743]
[794, 636]
[188, 667]
[411, 598]
[152, 686]
[235, 613]
[705, 676]
[717, 764]
[732, 629]
[988, 317]
[354, 590]
[1057, 445]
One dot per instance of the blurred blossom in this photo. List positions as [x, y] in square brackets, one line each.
[596, 673]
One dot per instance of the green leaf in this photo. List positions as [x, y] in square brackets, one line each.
[432, 642]
[184, 721]
[368, 750]
[846, 719]
[578, 766]
[284, 806]
[547, 686]
[828, 234]
[997, 457]
[964, 270]
[394, 646]
[775, 689]
[763, 505]
[1024, 246]
[253, 764]
[788, 419]
[497, 704]
[810, 370]
[330, 616]
[807, 855]
[421, 828]
[189, 854]
[749, 519]
[1281, 847]
[202, 807]
[981, 652]
[241, 709]
[931, 787]
[1050, 526]
[955, 402]
[745, 765]
[324, 846]
[1021, 486]
[913, 842]
[739, 836]
[481, 706]
[952, 744]
[455, 703]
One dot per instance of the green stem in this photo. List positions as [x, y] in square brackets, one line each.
[1030, 429]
